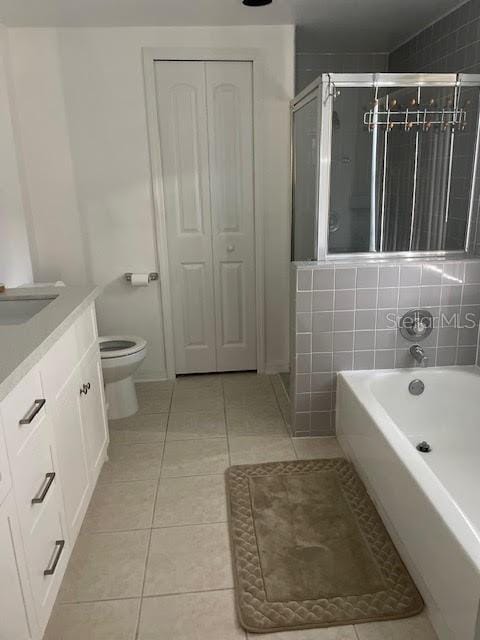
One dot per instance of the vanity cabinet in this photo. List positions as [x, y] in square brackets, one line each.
[55, 441]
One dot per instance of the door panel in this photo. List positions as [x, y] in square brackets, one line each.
[195, 314]
[71, 453]
[183, 137]
[92, 407]
[230, 127]
[16, 615]
[232, 303]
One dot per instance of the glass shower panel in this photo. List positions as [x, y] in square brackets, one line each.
[396, 163]
[349, 223]
[305, 180]
[402, 162]
[434, 158]
[462, 170]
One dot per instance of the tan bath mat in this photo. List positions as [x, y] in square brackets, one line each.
[310, 550]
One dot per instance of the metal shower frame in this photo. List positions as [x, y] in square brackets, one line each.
[322, 89]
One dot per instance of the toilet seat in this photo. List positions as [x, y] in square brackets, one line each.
[119, 346]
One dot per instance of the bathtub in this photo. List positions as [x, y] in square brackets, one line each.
[430, 502]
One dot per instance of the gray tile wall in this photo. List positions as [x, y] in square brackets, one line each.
[344, 317]
[308, 66]
[451, 45]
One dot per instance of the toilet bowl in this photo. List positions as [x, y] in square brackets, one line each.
[121, 356]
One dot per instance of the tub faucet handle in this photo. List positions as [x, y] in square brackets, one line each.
[418, 354]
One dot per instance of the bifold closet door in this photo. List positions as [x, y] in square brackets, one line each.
[230, 138]
[182, 114]
[206, 140]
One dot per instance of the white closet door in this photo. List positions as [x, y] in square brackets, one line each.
[182, 116]
[230, 139]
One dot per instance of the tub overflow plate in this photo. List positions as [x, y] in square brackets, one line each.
[416, 387]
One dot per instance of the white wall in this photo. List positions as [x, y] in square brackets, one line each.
[97, 136]
[15, 264]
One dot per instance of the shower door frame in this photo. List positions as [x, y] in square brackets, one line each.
[322, 88]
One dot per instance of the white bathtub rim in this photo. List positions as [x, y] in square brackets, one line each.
[449, 510]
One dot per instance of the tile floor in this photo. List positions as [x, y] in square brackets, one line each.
[152, 561]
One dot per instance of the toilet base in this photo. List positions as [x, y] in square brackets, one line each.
[121, 398]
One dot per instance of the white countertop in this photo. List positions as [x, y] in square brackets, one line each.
[23, 345]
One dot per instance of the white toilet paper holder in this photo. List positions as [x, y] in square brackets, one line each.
[151, 276]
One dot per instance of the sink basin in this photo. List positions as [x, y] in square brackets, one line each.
[20, 309]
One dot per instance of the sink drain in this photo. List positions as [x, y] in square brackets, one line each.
[424, 447]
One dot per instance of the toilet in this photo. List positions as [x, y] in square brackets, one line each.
[121, 356]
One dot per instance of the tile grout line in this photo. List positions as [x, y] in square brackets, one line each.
[146, 597]
[226, 424]
[283, 418]
[149, 542]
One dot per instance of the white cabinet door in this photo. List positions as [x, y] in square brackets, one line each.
[5, 479]
[92, 406]
[230, 138]
[206, 139]
[71, 453]
[183, 136]
[17, 621]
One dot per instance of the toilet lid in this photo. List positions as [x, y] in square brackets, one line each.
[118, 346]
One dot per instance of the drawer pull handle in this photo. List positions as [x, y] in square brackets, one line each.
[50, 477]
[36, 408]
[59, 544]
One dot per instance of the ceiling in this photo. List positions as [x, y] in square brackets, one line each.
[323, 25]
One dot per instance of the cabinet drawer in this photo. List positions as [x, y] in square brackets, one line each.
[34, 476]
[22, 410]
[47, 551]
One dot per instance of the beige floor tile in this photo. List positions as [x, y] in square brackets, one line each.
[154, 397]
[256, 449]
[251, 379]
[245, 396]
[105, 566]
[139, 429]
[132, 462]
[330, 633]
[187, 399]
[310, 448]
[416, 628]
[114, 620]
[198, 424]
[195, 457]
[193, 558]
[246, 389]
[192, 500]
[282, 398]
[203, 381]
[121, 506]
[255, 420]
[196, 616]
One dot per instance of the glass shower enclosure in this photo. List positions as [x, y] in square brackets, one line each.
[385, 163]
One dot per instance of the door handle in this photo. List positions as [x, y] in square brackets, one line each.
[230, 248]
